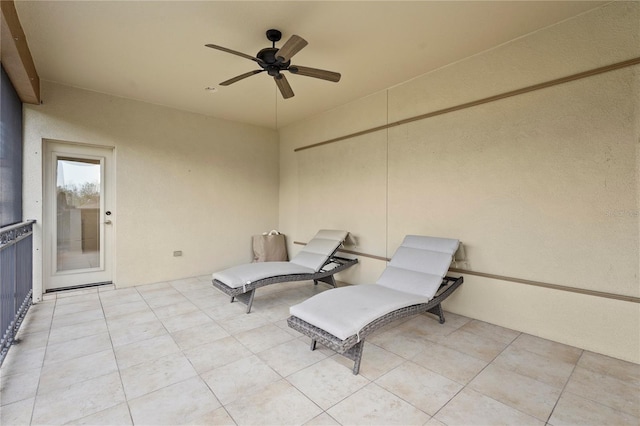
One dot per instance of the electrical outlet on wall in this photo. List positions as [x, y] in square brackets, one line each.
[177, 253]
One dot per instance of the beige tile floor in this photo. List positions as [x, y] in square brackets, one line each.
[180, 353]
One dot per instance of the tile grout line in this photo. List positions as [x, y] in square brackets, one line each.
[113, 350]
[35, 397]
[238, 341]
[399, 396]
[115, 358]
[575, 365]
[337, 402]
[198, 374]
[464, 386]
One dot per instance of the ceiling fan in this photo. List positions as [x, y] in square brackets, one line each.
[274, 61]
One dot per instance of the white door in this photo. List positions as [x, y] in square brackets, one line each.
[79, 215]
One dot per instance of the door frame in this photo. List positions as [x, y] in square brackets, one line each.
[52, 150]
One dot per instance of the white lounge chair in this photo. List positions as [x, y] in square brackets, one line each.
[316, 261]
[414, 281]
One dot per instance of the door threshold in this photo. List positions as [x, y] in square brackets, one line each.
[78, 287]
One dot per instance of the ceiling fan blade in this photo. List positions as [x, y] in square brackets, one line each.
[283, 85]
[224, 49]
[315, 72]
[240, 77]
[290, 48]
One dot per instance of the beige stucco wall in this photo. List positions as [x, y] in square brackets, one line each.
[541, 186]
[183, 182]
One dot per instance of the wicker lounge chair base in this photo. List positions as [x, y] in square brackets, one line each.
[352, 347]
[245, 294]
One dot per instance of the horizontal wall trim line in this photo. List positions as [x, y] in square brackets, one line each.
[539, 86]
[551, 286]
[605, 295]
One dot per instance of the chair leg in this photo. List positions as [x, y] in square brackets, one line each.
[355, 353]
[437, 310]
[246, 298]
[253, 293]
[357, 356]
[328, 279]
[333, 281]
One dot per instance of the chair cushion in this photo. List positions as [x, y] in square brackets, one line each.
[445, 245]
[310, 260]
[322, 246]
[409, 281]
[317, 251]
[344, 311]
[332, 234]
[427, 261]
[419, 265]
[239, 275]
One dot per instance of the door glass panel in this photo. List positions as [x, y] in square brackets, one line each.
[78, 213]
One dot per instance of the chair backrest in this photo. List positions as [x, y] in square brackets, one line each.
[317, 251]
[419, 265]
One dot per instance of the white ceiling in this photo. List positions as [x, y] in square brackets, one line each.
[154, 50]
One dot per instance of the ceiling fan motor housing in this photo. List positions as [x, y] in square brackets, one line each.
[270, 63]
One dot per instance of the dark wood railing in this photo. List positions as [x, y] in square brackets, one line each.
[16, 281]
